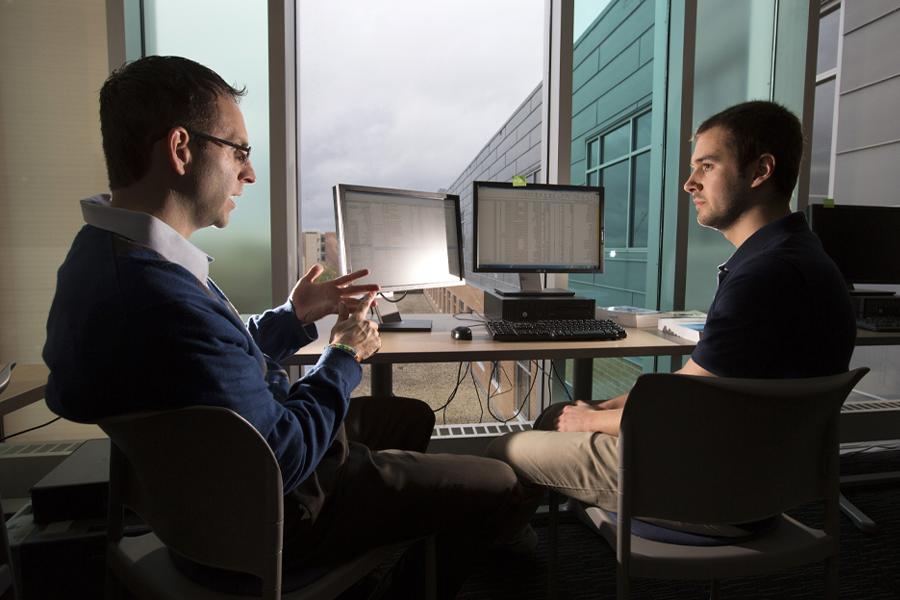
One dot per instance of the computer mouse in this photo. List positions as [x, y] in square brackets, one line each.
[461, 333]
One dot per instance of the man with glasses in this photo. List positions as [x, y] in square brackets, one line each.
[137, 324]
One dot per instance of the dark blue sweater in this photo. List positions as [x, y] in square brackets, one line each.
[130, 331]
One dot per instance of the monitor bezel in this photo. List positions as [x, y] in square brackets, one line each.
[477, 268]
[339, 192]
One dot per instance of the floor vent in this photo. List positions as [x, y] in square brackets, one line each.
[468, 430]
[870, 405]
[34, 449]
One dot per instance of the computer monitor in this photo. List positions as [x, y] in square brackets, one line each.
[864, 242]
[536, 228]
[408, 240]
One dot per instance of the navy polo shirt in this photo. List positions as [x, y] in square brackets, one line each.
[781, 309]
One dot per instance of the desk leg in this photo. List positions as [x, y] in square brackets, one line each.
[382, 384]
[583, 378]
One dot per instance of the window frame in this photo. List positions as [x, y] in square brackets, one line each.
[630, 156]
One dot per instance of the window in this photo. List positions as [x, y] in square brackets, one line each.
[243, 249]
[822, 143]
[619, 160]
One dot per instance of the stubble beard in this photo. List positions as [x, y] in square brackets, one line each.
[736, 204]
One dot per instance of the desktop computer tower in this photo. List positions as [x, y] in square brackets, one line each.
[537, 308]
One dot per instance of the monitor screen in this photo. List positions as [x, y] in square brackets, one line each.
[864, 241]
[408, 240]
[537, 228]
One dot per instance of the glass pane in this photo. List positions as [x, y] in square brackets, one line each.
[585, 16]
[375, 108]
[615, 143]
[594, 153]
[826, 56]
[820, 148]
[243, 249]
[642, 131]
[593, 178]
[733, 64]
[615, 210]
[616, 77]
[640, 199]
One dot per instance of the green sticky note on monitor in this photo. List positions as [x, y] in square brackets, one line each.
[519, 181]
[828, 202]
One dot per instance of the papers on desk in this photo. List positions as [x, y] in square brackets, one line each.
[629, 316]
[688, 327]
[635, 316]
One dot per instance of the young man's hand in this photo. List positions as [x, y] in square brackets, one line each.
[582, 416]
[353, 329]
[312, 300]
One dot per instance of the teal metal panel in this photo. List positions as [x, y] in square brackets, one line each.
[612, 79]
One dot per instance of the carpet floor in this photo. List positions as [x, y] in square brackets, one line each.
[869, 564]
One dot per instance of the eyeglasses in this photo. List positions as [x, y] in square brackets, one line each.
[243, 154]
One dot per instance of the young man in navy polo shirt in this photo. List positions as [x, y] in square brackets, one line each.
[781, 310]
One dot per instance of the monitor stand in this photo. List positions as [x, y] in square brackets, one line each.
[391, 321]
[530, 286]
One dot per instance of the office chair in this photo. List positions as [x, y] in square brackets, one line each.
[208, 485]
[719, 451]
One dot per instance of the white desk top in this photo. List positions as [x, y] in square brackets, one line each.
[438, 346]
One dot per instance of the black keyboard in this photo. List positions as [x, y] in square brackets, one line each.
[879, 323]
[560, 330]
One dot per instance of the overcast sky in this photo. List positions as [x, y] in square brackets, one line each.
[405, 93]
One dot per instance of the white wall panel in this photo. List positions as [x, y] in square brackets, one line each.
[868, 176]
[870, 50]
[869, 116]
[860, 12]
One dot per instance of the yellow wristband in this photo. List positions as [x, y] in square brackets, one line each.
[345, 348]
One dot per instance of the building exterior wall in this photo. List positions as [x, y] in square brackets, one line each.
[612, 81]
[867, 141]
[514, 150]
[868, 133]
[312, 249]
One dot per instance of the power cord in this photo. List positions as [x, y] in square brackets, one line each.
[386, 299]
[12, 435]
[460, 377]
[565, 387]
[527, 394]
[477, 395]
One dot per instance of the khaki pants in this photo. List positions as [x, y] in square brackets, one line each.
[583, 466]
[580, 465]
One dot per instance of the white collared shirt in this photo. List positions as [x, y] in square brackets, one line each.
[146, 230]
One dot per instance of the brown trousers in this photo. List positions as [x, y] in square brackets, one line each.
[386, 490]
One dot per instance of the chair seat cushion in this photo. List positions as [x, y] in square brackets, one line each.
[658, 532]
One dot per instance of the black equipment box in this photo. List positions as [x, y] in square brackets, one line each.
[537, 308]
[78, 488]
[874, 306]
[63, 559]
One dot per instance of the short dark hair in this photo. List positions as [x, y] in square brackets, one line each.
[142, 100]
[760, 127]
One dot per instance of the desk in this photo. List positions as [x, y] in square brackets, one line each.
[438, 346]
[25, 387]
